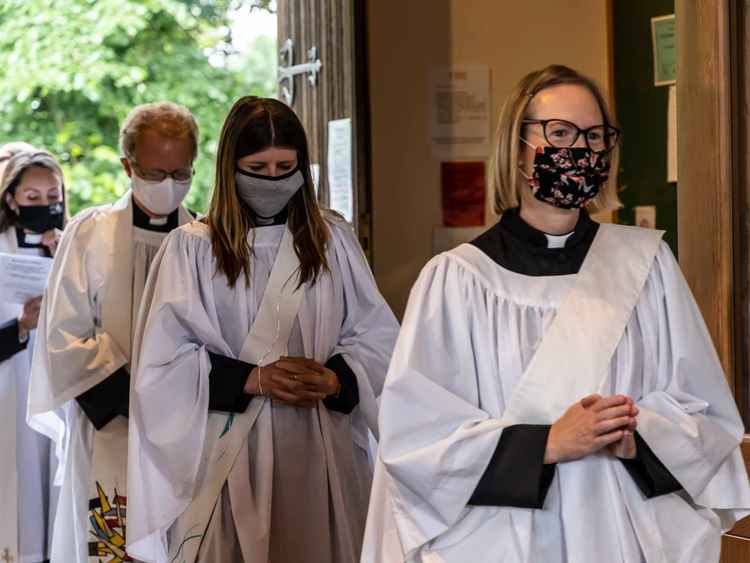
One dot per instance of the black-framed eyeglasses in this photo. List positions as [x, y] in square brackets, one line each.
[157, 175]
[564, 134]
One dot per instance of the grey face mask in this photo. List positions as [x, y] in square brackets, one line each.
[267, 196]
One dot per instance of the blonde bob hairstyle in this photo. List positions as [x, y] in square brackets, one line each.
[505, 173]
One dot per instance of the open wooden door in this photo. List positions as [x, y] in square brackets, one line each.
[328, 36]
[714, 190]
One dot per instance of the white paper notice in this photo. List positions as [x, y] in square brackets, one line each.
[645, 216]
[23, 277]
[459, 106]
[672, 135]
[315, 173]
[341, 192]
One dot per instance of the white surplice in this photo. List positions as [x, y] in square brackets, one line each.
[84, 336]
[318, 458]
[25, 464]
[470, 330]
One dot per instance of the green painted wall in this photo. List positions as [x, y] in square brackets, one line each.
[642, 110]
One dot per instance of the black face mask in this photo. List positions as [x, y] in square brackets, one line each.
[41, 218]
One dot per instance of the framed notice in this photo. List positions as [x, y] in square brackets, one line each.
[664, 43]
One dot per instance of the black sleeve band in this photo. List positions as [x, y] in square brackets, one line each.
[649, 473]
[9, 344]
[107, 399]
[348, 397]
[516, 475]
[226, 384]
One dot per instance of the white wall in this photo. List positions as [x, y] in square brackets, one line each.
[406, 39]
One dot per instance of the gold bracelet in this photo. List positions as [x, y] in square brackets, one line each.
[260, 381]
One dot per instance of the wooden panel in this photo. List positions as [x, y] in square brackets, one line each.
[336, 28]
[705, 195]
[742, 529]
[741, 114]
[735, 550]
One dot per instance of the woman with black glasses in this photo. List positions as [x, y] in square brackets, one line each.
[554, 395]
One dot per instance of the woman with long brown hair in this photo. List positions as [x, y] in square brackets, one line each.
[32, 214]
[263, 343]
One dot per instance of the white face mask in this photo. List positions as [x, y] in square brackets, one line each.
[267, 196]
[160, 198]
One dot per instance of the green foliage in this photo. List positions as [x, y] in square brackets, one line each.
[72, 69]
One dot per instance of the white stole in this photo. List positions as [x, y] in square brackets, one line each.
[267, 342]
[571, 362]
[117, 302]
[108, 481]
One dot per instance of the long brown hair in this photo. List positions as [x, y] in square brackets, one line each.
[263, 123]
[505, 174]
[13, 174]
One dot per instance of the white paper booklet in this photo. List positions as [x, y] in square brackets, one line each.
[23, 277]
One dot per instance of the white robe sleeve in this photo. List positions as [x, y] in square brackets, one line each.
[435, 442]
[171, 371]
[370, 329]
[72, 353]
[688, 416]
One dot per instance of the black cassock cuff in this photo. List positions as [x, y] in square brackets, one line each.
[516, 475]
[226, 384]
[9, 344]
[105, 400]
[228, 377]
[348, 397]
[649, 473]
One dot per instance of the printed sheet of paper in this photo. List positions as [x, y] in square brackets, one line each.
[459, 106]
[315, 173]
[340, 184]
[23, 277]
[664, 44]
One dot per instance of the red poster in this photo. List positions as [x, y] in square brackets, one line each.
[464, 193]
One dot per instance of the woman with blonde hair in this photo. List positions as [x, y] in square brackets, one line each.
[262, 347]
[32, 214]
[554, 395]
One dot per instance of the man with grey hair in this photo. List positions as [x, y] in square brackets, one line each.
[80, 371]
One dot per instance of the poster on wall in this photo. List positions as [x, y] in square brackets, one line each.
[664, 44]
[315, 173]
[340, 185]
[464, 193]
[459, 112]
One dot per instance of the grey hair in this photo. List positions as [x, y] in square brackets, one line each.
[166, 118]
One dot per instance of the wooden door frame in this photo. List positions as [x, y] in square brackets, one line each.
[706, 176]
[339, 31]
[712, 204]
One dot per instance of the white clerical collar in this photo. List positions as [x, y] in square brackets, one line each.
[32, 238]
[557, 241]
[158, 221]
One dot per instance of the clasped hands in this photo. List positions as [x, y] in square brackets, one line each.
[591, 424]
[299, 382]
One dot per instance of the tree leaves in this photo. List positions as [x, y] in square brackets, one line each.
[72, 69]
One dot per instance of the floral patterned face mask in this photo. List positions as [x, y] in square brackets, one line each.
[567, 177]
